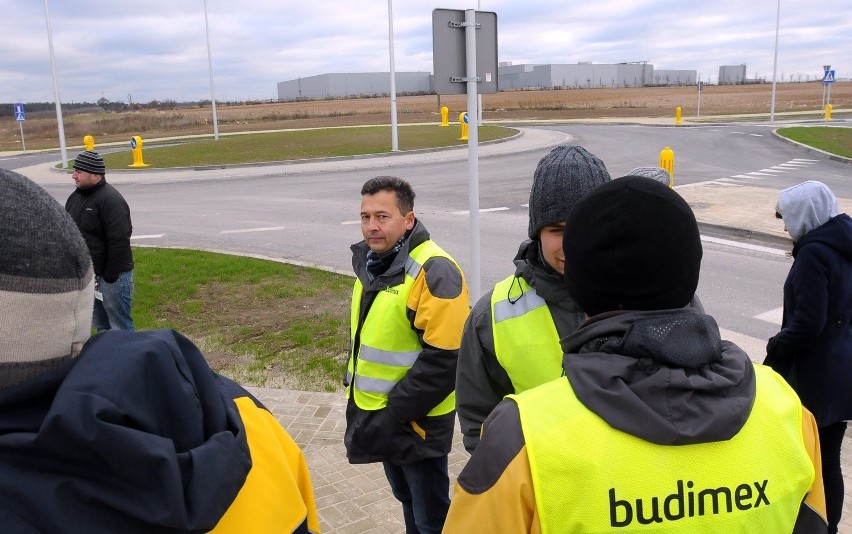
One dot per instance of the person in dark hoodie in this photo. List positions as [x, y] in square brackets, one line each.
[658, 424]
[813, 350]
[153, 441]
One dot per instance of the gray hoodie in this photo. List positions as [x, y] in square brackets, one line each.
[806, 206]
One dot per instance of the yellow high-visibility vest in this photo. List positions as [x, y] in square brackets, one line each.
[526, 342]
[388, 346]
[589, 477]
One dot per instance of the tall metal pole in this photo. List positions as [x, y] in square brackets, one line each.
[210, 68]
[56, 90]
[473, 152]
[479, 96]
[394, 136]
[775, 62]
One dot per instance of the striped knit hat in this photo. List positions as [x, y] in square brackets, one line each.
[46, 282]
[91, 162]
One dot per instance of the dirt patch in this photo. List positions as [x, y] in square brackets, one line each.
[260, 334]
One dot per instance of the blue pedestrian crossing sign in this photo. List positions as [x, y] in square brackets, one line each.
[20, 116]
[829, 77]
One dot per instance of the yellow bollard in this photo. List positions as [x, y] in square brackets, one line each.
[667, 162]
[136, 148]
[463, 124]
[445, 116]
[89, 142]
[678, 115]
[828, 112]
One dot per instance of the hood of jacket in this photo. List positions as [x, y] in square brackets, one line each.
[137, 434]
[835, 234]
[805, 207]
[394, 273]
[664, 376]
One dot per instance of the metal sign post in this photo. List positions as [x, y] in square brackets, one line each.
[467, 63]
[825, 68]
[21, 116]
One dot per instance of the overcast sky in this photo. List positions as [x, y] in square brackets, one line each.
[157, 49]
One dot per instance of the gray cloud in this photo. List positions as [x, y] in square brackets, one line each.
[159, 50]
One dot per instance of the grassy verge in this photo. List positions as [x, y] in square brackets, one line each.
[301, 144]
[835, 140]
[259, 322]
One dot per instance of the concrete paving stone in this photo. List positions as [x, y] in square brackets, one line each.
[364, 525]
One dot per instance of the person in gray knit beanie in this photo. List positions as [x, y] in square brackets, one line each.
[46, 282]
[511, 339]
[561, 179]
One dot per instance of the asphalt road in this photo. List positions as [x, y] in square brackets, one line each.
[313, 218]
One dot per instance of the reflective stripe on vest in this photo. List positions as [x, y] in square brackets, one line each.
[388, 344]
[589, 477]
[526, 342]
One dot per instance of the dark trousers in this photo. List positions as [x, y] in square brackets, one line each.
[830, 441]
[423, 488]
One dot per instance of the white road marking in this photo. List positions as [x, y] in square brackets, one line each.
[249, 230]
[744, 246]
[772, 316]
[730, 181]
[806, 159]
[747, 176]
[483, 210]
[756, 135]
[347, 223]
[757, 173]
[149, 236]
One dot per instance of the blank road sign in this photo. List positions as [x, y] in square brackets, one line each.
[449, 54]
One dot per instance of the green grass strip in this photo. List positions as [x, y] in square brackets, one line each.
[832, 139]
[301, 144]
[259, 322]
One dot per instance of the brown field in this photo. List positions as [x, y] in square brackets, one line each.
[40, 131]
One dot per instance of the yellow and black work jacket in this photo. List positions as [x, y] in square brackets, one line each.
[405, 332]
[686, 436]
[138, 435]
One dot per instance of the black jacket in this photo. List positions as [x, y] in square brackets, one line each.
[813, 350]
[103, 217]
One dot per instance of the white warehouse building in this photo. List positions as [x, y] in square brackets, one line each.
[340, 85]
[509, 77]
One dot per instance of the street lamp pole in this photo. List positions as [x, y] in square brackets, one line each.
[56, 90]
[210, 68]
[394, 135]
[775, 62]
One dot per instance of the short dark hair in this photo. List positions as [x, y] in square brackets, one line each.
[403, 190]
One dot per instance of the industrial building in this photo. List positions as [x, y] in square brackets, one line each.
[510, 77]
[732, 74]
[341, 85]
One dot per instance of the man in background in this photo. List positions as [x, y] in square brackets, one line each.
[103, 217]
